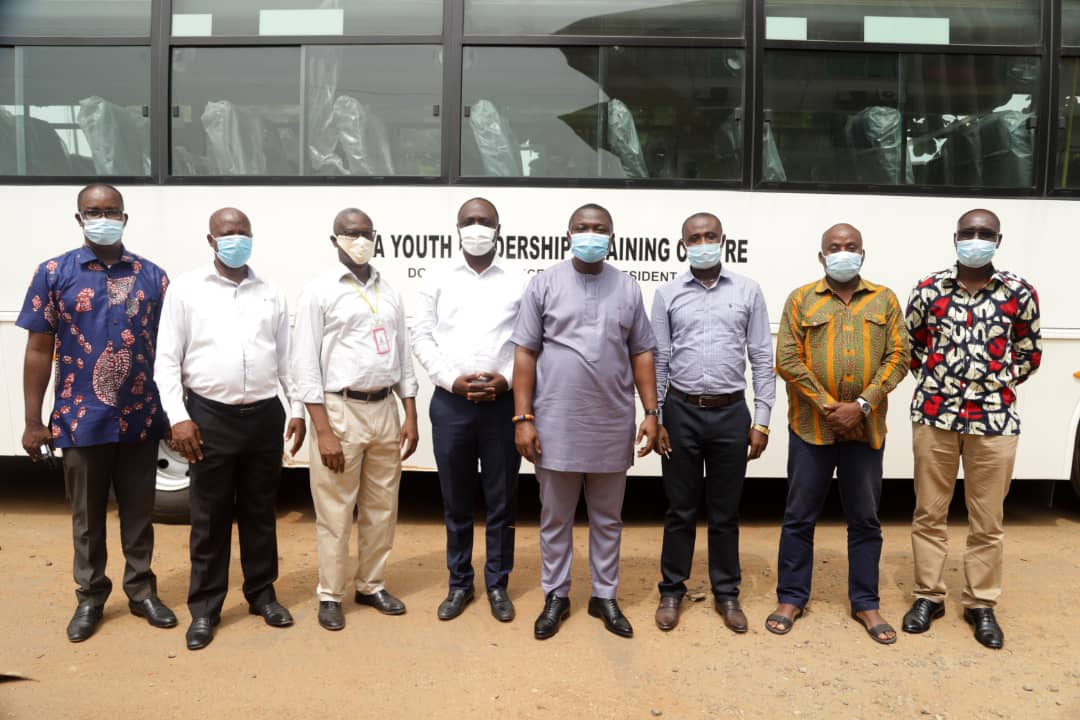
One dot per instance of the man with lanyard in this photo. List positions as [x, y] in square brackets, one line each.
[974, 337]
[96, 309]
[351, 350]
[464, 316]
[224, 344]
[707, 322]
[841, 350]
[583, 344]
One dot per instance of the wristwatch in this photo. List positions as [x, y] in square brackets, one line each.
[863, 405]
[654, 412]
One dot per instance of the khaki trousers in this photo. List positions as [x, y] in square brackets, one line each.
[988, 467]
[370, 439]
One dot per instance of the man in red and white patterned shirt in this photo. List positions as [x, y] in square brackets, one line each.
[974, 337]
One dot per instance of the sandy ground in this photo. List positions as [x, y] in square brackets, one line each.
[417, 667]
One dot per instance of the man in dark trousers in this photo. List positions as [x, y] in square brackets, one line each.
[465, 312]
[223, 350]
[707, 322]
[96, 309]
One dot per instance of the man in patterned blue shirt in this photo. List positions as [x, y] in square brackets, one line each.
[95, 309]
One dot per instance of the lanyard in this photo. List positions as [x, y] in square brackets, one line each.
[363, 296]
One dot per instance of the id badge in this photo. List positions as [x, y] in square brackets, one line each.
[382, 340]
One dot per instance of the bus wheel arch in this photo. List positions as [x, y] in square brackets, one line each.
[172, 487]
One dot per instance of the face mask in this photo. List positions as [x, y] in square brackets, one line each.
[103, 231]
[234, 250]
[843, 266]
[705, 255]
[359, 249]
[589, 247]
[975, 253]
[477, 239]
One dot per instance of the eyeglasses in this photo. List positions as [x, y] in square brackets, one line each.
[980, 233]
[96, 214]
[369, 234]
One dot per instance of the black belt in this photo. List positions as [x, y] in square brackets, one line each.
[708, 401]
[365, 395]
[249, 409]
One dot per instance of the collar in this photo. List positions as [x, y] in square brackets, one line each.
[951, 274]
[463, 264]
[85, 255]
[347, 273]
[211, 273]
[822, 287]
[688, 278]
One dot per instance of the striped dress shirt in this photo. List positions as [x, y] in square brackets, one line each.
[829, 351]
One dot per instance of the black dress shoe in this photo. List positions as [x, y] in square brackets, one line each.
[608, 610]
[732, 613]
[274, 613]
[382, 601]
[455, 603]
[501, 606]
[330, 615]
[556, 609]
[154, 611]
[922, 613]
[201, 632]
[84, 621]
[987, 630]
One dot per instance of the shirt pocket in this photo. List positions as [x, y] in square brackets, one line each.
[815, 330]
[735, 320]
[876, 333]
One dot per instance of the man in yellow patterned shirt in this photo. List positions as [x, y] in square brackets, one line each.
[842, 348]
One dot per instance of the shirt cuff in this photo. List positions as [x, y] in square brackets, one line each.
[297, 410]
[445, 379]
[762, 415]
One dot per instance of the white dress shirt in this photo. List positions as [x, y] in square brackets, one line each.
[339, 322]
[463, 321]
[223, 341]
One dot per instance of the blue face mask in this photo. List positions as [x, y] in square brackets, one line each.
[843, 266]
[589, 247]
[234, 250]
[103, 231]
[705, 255]
[975, 253]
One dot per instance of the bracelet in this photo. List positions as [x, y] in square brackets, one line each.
[763, 429]
[525, 417]
[655, 412]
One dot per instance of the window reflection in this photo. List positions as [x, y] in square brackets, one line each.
[618, 112]
[651, 18]
[307, 17]
[950, 120]
[75, 111]
[75, 18]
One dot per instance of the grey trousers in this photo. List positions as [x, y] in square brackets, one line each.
[130, 468]
[559, 493]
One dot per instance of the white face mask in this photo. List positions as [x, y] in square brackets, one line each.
[359, 249]
[477, 239]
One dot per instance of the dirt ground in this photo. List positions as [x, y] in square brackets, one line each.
[417, 667]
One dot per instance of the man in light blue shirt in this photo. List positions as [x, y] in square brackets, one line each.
[707, 322]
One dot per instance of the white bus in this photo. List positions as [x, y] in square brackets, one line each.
[780, 116]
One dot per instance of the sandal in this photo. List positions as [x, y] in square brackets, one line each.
[873, 632]
[785, 623]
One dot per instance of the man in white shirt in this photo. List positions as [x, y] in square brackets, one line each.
[461, 335]
[224, 344]
[351, 349]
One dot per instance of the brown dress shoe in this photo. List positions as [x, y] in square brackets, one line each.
[732, 614]
[667, 612]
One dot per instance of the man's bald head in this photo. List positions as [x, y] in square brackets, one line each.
[350, 218]
[477, 207]
[979, 224]
[229, 221]
[841, 236]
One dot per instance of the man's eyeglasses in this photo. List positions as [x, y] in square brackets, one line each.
[96, 214]
[980, 233]
[369, 234]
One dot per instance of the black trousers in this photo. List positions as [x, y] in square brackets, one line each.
[239, 477]
[131, 470]
[716, 438]
[464, 434]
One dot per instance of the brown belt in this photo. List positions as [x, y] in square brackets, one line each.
[708, 401]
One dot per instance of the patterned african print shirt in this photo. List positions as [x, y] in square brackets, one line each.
[969, 352]
[829, 351]
[105, 320]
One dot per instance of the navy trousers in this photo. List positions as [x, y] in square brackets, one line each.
[810, 472]
[464, 434]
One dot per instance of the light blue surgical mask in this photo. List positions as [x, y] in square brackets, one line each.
[103, 231]
[589, 247]
[704, 256]
[975, 253]
[234, 250]
[843, 266]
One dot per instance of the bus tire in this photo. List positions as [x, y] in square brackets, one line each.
[172, 496]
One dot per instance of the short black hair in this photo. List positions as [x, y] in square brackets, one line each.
[97, 186]
[700, 216]
[483, 200]
[991, 213]
[599, 208]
